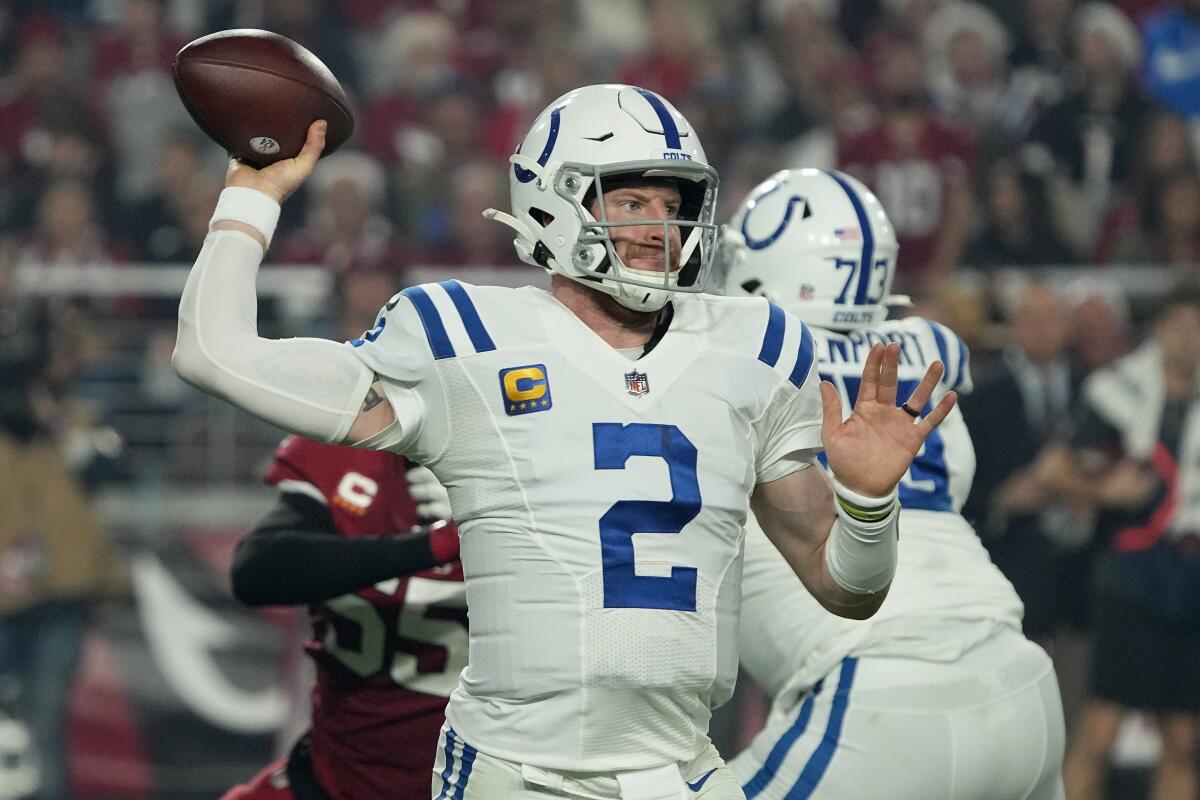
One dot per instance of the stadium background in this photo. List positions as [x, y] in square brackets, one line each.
[1057, 142]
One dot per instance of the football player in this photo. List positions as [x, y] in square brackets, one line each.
[599, 443]
[939, 694]
[364, 540]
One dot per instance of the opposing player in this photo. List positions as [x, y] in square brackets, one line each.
[364, 539]
[599, 443]
[939, 694]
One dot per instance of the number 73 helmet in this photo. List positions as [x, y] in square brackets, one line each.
[817, 243]
[600, 136]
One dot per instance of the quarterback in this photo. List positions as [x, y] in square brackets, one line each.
[601, 444]
[939, 695]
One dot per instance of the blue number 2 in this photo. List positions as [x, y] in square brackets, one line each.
[614, 444]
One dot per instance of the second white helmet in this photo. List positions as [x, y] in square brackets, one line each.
[817, 243]
[597, 134]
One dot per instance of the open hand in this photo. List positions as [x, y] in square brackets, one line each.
[281, 179]
[874, 446]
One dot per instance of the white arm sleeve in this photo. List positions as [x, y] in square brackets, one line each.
[312, 387]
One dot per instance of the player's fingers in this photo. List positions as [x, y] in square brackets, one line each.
[924, 390]
[831, 410]
[888, 374]
[935, 417]
[870, 375]
[313, 145]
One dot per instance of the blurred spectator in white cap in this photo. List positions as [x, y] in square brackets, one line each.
[966, 47]
[1092, 132]
[346, 229]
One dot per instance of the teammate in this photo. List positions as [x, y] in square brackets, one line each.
[599, 443]
[939, 695]
[386, 600]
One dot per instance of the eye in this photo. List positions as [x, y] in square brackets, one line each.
[631, 205]
[672, 211]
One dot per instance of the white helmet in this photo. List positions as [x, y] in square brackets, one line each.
[817, 243]
[585, 139]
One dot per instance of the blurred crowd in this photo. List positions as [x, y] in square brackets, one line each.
[998, 134]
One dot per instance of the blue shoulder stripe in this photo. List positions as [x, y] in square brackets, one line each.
[804, 358]
[431, 320]
[470, 317]
[962, 364]
[773, 338]
[943, 350]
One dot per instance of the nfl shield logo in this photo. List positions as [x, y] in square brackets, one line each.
[636, 383]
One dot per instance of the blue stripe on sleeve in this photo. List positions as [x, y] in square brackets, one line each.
[963, 361]
[470, 317]
[940, 338]
[779, 752]
[670, 129]
[773, 338]
[804, 358]
[818, 763]
[435, 331]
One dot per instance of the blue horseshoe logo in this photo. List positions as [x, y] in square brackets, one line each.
[759, 244]
[524, 175]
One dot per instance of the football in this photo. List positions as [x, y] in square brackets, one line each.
[255, 93]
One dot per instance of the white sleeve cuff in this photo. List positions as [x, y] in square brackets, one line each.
[250, 207]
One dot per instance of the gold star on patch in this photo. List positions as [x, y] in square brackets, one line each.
[545, 402]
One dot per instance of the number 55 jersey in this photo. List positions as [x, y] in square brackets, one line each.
[387, 656]
[601, 499]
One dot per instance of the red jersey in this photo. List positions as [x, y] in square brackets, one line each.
[387, 657]
[910, 181]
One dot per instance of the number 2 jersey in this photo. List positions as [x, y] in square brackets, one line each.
[387, 657]
[601, 501]
[946, 596]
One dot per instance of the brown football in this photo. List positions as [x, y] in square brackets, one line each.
[255, 93]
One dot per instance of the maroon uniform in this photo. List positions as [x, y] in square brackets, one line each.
[388, 656]
[911, 181]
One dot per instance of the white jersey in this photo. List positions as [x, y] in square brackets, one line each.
[946, 597]
[601, 502]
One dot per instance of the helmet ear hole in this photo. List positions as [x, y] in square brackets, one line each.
[543, 218]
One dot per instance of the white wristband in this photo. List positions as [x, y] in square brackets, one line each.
[861, 507]
[861, 551]
[250, 207]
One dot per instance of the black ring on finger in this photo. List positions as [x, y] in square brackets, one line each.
[910, 411]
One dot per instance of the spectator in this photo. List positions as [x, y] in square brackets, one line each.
[1164, 148]
[346, 229]
[1018, 228]
[1092, 132]
[965, 48]
[1101, 330]
[1172, 59]
[131, 69]
[671, 58]
[918, 165]
[1133, 454]
[55, 560]
[471, 239]
[68, 232]
[1019, 407]
[412, 57]
[157, 225]
[1169, 229]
